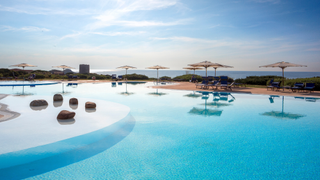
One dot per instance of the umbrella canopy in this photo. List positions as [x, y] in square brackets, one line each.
[204, 64]
[126, 67]
[23, 65]
[63, 67]
[157, 67]
[283, 65]
[219, 66]
[193, 68]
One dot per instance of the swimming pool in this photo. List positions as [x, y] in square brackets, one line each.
[178, 135]
[26, 83]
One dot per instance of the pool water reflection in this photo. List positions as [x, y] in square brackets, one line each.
[198, 135]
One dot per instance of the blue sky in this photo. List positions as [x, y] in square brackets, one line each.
[173, 33]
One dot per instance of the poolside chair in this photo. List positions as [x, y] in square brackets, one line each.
[224, 78]
[120, 77]
[217, 78]
[223, 84]
[309, 87]
[297, 87]
[270, 84]
[202, 84]
[210, 78]
[274, 85]
[214, 84]
[114, 77]
[229, 86]
[277, 87]
[193, 79]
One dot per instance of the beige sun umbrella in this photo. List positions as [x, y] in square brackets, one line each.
[157, 67]
[204, 64]
[219, 66]
[63, 67]
[193, 68]
[283, 65]
[126, 67]
[23, 65]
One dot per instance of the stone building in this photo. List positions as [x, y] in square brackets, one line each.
[84, 69]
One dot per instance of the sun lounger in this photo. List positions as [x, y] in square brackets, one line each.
[114, 77]
[274, 85]
[309, 87]
[214, 84]
[223, 84]
[229, 86]
[297, 87]
[202, 84]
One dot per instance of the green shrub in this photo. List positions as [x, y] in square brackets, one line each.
[135, 76]
[187, 77]
[165, 78]
[39, 76]
[257, 80]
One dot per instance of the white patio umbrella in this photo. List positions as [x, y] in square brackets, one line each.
[157, 67]
[283, 65]
[23, 65]
[193, 68]
[126, 67]
[219, 66]
[63, 67]
[204, 64]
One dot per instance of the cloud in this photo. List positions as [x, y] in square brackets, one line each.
[139, 23]
[116, 16]
[132, 33]
[26, 28]
[32, 10]
[71, 35]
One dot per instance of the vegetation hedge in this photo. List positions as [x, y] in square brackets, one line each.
[187, 77]
[135, 76]
[256, 80]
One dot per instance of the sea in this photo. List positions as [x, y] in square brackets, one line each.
[233, 74]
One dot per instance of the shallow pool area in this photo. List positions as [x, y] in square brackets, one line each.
[138, 132]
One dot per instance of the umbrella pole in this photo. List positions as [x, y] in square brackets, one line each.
[206, 72]
[194, 72]
[215, 71]
[158, 75]
[283, 78]
[126, 74]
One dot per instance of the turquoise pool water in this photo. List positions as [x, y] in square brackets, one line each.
[186, 135]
